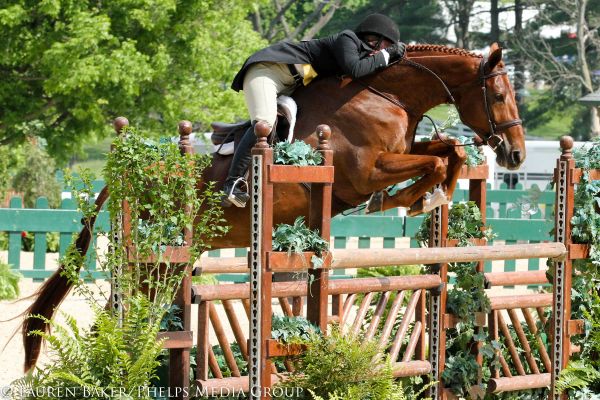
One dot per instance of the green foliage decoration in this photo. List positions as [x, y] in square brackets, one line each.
[9, 282]
[465, 299]
[121, 351]
[475, 154]
[292, 329]
[171, 321]
[296, 153]
[336, 365]
[298, 238]
[581, 378]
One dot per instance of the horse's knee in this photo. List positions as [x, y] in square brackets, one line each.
[461, 154]
[439, 169]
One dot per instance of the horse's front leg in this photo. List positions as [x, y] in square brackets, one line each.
[391, 168]
[451, 150]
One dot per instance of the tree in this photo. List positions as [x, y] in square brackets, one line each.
[460, 16]
[68, 67]
[35, 177]
[419, 21]
[494, 17]
[293, 19]
[564, 63]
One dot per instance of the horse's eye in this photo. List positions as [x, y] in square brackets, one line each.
[499, 97]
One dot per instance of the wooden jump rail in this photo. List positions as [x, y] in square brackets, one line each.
[553, 360]
[241, 291]
[343, 298]
[411, 358]
[515, 278]
[342, 259]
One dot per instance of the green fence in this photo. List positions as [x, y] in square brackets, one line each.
[16, 221]
[523, 216]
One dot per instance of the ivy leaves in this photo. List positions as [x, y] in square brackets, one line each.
[292, 329]
[464, 223]
[465, 299]
[459, 369]
[297, 238]
[582, 376]
[296, 153]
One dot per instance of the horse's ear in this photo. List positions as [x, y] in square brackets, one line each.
[494, 58]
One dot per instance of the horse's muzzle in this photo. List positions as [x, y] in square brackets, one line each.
[511, 159]
[515, 157]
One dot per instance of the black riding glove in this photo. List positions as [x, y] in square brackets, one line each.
[396, 51]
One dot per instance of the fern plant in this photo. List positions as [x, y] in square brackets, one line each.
[399, 392]
[577, 375]
[105, 359]
[343, 366]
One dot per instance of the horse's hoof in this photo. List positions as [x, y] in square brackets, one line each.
[434, 200]
[416, 209]
[375, 203]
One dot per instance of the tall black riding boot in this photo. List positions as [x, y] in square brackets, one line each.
[235, 183]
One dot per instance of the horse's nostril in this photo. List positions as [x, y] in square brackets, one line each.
[515, 155]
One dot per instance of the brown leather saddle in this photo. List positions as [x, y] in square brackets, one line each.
[226, 132]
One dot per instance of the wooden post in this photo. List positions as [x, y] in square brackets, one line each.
[561, 304]
[263, 261]
[122, 235]
[179, 358]
[320, 218]
[437, 307]
[477, 193]
[261, 201]
[179, 349]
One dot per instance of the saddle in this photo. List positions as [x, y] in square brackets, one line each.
[226, 135]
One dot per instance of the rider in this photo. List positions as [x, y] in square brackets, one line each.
[282, 67]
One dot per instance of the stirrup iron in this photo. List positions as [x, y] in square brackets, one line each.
[241, 198]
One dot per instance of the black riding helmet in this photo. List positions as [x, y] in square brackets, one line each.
[379, 24]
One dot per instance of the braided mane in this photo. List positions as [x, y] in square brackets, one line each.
[441, 49]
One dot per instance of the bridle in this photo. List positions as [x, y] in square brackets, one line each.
[491, 138]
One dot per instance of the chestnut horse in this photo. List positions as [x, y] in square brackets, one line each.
[373, 123]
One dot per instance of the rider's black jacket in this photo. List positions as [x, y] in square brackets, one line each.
[340, 54]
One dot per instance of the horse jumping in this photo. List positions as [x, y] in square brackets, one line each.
[373, 123]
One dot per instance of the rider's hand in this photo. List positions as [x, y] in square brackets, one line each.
[396, 51]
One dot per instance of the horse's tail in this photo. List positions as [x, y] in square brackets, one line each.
[53, 292]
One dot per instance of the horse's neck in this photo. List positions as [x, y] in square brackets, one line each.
[421, 90]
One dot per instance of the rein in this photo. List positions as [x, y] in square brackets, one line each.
[492, 138]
